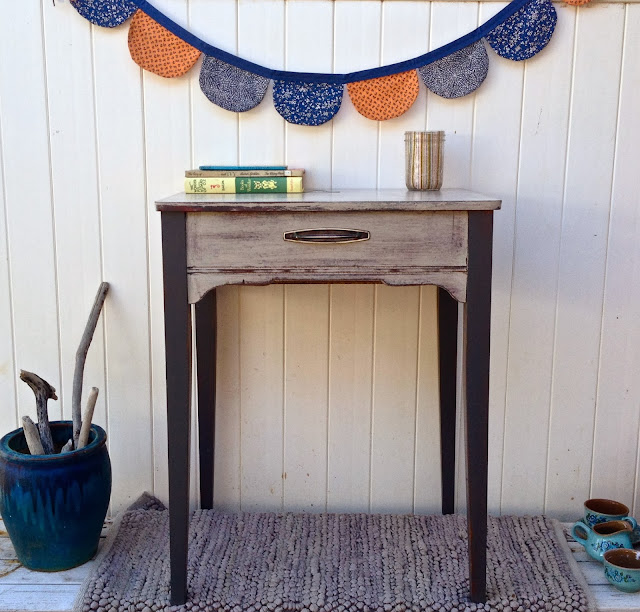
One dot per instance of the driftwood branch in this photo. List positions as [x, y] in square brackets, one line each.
[43, 392]
[68, 447]
[81, 357]
[87, 417]
[32, 436]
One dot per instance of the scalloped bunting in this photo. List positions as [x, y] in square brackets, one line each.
[159, 45]
[307, 103]
[385, 97]
[458, 74]
[229, 87]
[526, 32]
[105, 13]
[157, 50]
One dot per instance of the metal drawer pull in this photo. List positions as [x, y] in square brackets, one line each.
[327, 235]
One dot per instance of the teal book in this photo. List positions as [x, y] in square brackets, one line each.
[242, 167]
[209, 173]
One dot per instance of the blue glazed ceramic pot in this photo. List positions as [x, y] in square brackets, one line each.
[54, 506]
[603, 536]
[622, 569]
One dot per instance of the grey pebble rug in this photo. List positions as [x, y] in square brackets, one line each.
[290, 562]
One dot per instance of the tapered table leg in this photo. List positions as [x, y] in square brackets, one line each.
[177, 329]
[206, 368]
[477, 328]
[447, 361]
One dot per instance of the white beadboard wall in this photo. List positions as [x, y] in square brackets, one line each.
[327, 394]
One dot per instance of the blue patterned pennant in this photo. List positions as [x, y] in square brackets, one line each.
[307, 103]
[105, 13]
[229, 87]
[526, 32]
[458, 74]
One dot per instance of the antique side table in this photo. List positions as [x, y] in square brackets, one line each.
[396, 237]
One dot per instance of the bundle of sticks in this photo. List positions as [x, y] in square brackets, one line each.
[38, 437]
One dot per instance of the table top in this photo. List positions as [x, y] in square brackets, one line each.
[330, 200]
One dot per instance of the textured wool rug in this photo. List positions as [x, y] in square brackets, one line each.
[266, 562]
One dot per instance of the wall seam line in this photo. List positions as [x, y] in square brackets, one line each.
[608, 244]
[54, 245]
[561, 241]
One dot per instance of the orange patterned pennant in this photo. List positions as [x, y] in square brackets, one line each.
[157, 50]
[385, 97]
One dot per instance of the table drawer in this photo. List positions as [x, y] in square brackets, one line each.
[298, 241]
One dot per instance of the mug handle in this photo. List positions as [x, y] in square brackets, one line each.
[580, 526]
[631, 521]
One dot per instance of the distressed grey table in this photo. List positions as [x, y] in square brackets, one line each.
[396, 237]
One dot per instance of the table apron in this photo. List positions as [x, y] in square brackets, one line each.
[400, 248]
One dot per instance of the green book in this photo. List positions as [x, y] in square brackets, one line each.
[272, 184]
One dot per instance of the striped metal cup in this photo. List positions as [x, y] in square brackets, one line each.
[424, 153]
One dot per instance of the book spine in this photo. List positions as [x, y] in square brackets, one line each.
[233, 173]
[278, 184]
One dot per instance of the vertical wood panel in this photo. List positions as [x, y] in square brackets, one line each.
[262, 129]
[355, 138]
[545, 116]
[30, 225]
[310, 26]
[214, 130]
[261, 392]
[583, 250]
[409, 23]
[305, 396]
[8, 416]
[120, 129]
[618, 398]
[455, 117]
[227, 482]
[394, 408]
[77, 217]
[427, 492]
[496, 143]
[350, 395]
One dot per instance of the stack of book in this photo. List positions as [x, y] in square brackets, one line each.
[243, 179]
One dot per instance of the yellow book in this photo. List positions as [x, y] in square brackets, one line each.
[219, 184]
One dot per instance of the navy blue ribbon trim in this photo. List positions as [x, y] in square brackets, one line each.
[321, 77]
